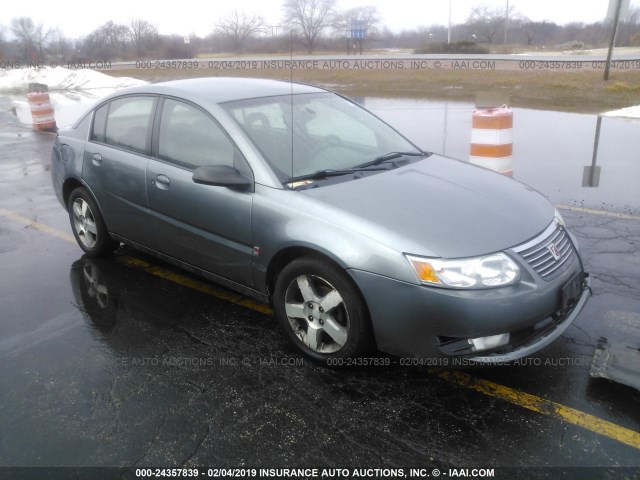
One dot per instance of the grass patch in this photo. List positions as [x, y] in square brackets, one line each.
[584, 92]
[456, 47]
[563, 86]
[622, 87]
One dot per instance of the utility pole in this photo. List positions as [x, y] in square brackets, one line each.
[449, 31]
[506, 22]
[612, 40]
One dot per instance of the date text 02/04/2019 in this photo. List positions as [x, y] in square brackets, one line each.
[326, 473]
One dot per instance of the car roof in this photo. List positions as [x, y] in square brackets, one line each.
[215, 90]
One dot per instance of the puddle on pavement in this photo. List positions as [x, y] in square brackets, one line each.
[550, 149]
[25, 159]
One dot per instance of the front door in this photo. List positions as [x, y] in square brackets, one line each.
[205, 226]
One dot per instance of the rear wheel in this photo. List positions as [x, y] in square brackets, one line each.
[321, 310]
[87, 224]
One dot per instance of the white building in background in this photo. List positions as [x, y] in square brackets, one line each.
[624, 10]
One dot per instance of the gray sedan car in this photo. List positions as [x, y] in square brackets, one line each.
[294, 195]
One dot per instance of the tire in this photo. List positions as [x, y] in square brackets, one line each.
[321, 310]
[88, 226]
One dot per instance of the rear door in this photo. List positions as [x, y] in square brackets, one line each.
[205, 226]
[115, 163]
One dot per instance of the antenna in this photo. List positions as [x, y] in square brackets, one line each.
[291, 59]
[291, 91]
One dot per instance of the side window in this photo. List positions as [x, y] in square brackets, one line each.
[99, 123]
[189, 138]
[128, 123]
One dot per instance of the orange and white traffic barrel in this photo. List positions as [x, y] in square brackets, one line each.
[492, 139]
[41, 111]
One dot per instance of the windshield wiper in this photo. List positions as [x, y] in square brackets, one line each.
[358, 168]
[328, 173]
[391, 156]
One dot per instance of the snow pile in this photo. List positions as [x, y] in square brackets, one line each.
[68, 105]
[72, 92]
[628, 112]
[17, 80]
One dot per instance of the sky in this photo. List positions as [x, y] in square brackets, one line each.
[77, 19]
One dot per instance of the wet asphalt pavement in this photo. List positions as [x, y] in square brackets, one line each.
[117, 363]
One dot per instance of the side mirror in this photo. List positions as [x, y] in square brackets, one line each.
[221, 176]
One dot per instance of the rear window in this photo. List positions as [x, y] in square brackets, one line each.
[99, 123]
[125, 123]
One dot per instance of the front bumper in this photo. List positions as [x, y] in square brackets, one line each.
[541, 340]
[418, 321]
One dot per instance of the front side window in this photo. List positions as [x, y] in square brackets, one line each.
[190, 138]
[306, 133]
[128, 123]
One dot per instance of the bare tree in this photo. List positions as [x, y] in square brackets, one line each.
[629, 26]
[113, 34]
[59, 45]
[540, 33]
[143, 35]
[309, 18]
[108, 41]
[529, 33]
[368, 14]
[569, 34]
[177, 46]
[238, 27]
[2, 43]
[30, 36]
[365, 19]
[594, 34]
[486, 21]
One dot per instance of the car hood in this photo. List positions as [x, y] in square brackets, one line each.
[441, 207]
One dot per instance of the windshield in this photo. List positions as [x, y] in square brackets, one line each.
[302, 134]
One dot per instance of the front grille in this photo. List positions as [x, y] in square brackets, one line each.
[550, 253]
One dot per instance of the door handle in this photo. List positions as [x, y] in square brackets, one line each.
[96, 159]
[162, 182]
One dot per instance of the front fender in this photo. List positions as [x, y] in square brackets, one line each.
[284, 219]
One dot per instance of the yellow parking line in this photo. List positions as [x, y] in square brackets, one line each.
[604, 213]
[194, 284]
[37, 225]
[515, 397]
[183, 280]
[543, 406]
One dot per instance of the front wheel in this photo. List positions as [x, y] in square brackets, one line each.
[87, 224]
[321, 310]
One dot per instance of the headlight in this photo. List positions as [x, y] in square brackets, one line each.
[496, 270]
[558, 218]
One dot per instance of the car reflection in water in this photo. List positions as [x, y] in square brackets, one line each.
[92, 293]
[139, 314]
[112, 296]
